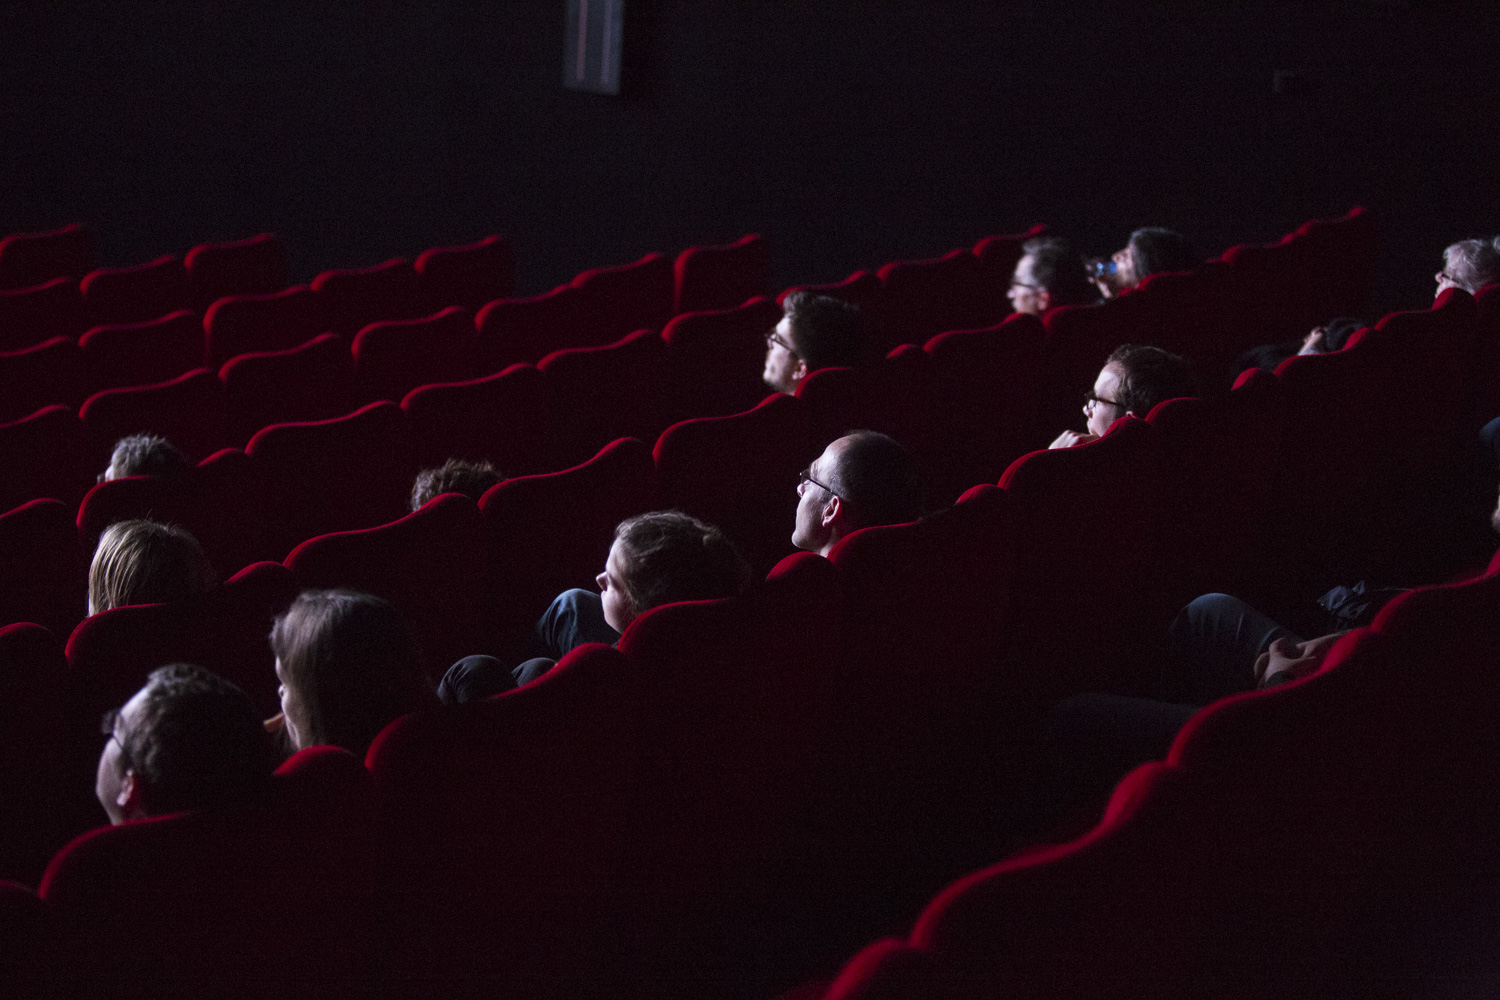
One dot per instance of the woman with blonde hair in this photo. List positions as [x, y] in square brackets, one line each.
[143, 562]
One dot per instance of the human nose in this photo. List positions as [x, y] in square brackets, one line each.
[601, 581]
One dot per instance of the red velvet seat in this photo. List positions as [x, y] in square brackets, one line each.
[43, 456]
[468, 275]
[923, 298]
[42, 575]
[549, 533]
[620, 300]
[33, 946]
[509, 820]
[276, 321]
[32, 745]
[137, 294]
[51, 373]
[188, 410]
[430, 564]
[717, 359]
[142, 353]
[711, 278]
[28, 259]
[740, 473]
[891, 395]
[332, 475]
[354, 298]
[36, 313]
[503, 418]
[254, 266]
[274, 896]
[1488, 365]
[391, 359]
[597, 394]
[312, 381]
[1001, 254]
[524, 330]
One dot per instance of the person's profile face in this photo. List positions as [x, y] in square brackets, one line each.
[110, 780]
[1025, 294]
[809, 532]
[1103, 407]
[782, 362]
[1125, 273]
[1444, 279]
[617, 610]
[291, 709]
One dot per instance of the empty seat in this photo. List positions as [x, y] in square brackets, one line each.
[36, 313]
[187, 410]
[142, 353]
[712, 278]
[42, 576]
[597, 394]
[238, 324]
[922, 298]
[524, 330]
[44, 456]
[504, 419]
[393, 358]
[718, 358]
[49, 373]
[1001, 254]
[253, 266]
[623, 299]
[354, 298]
[312, 381]
[28, 259]
[430, 564]
[137, 294]
[468, 275]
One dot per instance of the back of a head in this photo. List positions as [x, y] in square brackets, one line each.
[197, 742]
[472, 479]
[669, 557]
[826, 332]
[352, 666]
[145, 455]
[1149, 375]
[1058, 267]
[1472, 264]
[1155, 250]
[878, 479]
[143, 562]
[1337, 331]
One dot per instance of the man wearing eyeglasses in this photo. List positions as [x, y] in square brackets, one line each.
[861, 480]
[1049, 273]
[1470, 265]
[816, 331]
[1132, 381]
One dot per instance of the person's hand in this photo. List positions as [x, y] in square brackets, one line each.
[1068, 439]
[1286, 661]
[275, 723]
[1107, 288]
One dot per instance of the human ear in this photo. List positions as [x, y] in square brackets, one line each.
[833, 511]
[129, 798]
[1043, 299]
[800, 372]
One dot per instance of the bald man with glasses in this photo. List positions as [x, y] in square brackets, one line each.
[861, 480]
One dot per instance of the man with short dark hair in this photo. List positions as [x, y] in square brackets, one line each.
[144, 455]
[1134, 379]
[816, 331]
[861, 480]
[187, 740]
[1151, 250]
[472, 479]
[1049, 273]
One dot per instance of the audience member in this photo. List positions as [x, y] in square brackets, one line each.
[1325, 339]
[862, 479]
[1470, 265]
[187, 740]
[144, 455]
[815, 331]
[348, 666]
[1132, 381]
[1151, 250]
[472, 479]
[1049, 273]
[142, 562]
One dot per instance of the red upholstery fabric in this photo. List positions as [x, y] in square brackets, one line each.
[137, 294]
[524, 330]
[597, 394]
[33, 377]
[33, 258]
[508, 819]
[33, 946]
[43, 456]
[891, 395]
[721, 277]
[431, 565]
[862, 288]
[620, 300]
[238, 324]
[42, 575]
[717, 359]
[740, 473]
[188, 410]
[354, 298]
[142, 353]
[36, 313]
[468, 275]
[275, 896]
[1001, 254]
[313, 381]
[922, 298]
[31, 752]
[1488, 401]
[254, 266]
[504, 418]
[549, 533]
[391, 359]
[886, 970]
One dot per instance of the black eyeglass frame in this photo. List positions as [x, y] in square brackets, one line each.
[1089, 399]
[772, 337]
[805, 476]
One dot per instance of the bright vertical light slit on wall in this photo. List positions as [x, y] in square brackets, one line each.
[594, 37]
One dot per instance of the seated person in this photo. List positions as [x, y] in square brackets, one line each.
[1151, 250]
[144, 455]
[472, 479]
[187, 740]
[815, 331]
[348, 666]
[1132, 381]
[657, 558]
[1325, 339]
[861, 480]
[1049, 273]
[1470, 265]
[142, 562]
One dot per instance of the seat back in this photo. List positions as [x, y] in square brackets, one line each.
[137, 294]
[468, 275]
[1001, 254]
[32, 745]
[313, 381]
[598, 394]
[354, 298]
[43, 456]
[503, 418]
[187, 410]
[717, 359]
[51, 373]
[273, 321]
[142, 353]
[892, 395]
[712, 278]
[28, 259]
[393, 358]
[524, 330]
[36, 313]
[923, 298]
[254, 266]
[42, 575]
[620, 300]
